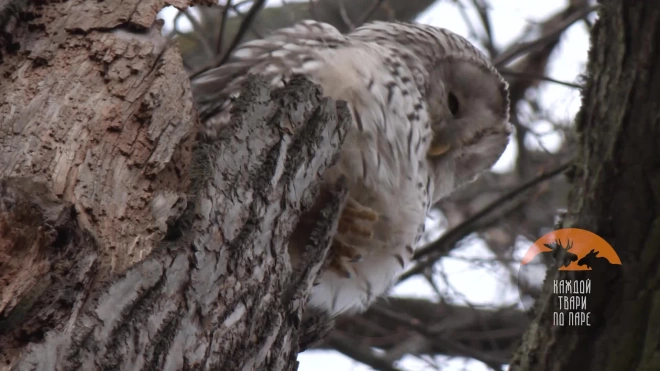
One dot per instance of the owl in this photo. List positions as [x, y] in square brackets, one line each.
[429, 113]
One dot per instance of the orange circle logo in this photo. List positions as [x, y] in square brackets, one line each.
[575, 250]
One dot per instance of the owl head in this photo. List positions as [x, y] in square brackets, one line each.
[467, 100]
[469, 113]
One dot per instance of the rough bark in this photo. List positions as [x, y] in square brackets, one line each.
[616, 195]
[126, 243]
[529, 212]
[98, 118]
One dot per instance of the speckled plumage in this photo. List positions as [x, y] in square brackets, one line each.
[398, 80]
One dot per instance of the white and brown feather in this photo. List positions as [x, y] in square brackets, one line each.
[394, 78]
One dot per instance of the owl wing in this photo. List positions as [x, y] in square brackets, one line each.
[384, 154]
[391, 131]
[384, 94]
[272, 57]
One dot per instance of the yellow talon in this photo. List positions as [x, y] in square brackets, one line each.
[355, 222]
[343, 250]
[346, 226]
[353, 213]
[340, 266]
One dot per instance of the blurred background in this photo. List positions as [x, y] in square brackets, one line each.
[464, 303]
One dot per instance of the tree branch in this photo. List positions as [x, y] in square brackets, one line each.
[428, 255]
[206, 285]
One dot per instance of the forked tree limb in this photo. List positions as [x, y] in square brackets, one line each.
[222, 295]
[126, 242]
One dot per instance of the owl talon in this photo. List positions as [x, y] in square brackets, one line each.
[340, 267]
[411, 139]
[352, 216]
[356, 259]
[350, 226]
[351, 222]
[342, 254]
[355, 210]
[346, 251]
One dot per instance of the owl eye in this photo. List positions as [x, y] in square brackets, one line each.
[452, 101]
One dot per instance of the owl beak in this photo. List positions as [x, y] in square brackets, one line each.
[438, 148]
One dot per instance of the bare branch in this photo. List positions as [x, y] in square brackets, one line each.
[416, 325]
[482, 8]
[199, 31]
[374, 6]
[245, 25]
[352, 349]
[419, 327]
[223, 27]
[434, 250]
[344, 16]
[466, 19]
[256, 7]
[531, 76]
[519, 49]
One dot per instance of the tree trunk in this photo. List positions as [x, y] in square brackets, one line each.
[617, 196]
[125, 242]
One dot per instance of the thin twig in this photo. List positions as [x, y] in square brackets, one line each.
[199, 30]
[175, 31]
[429, 279]
[521, 48]
[491, 361]
[433, 250]
[490, 208]
[403, 319]
[312, 10]
[532, 76]
[256, 7]
[344, 16]
[352, 349]
[242, 15]
[417, 326]
[245, 25]
[472, 31]
[223, 27]
[365, 17]
[482, 9]
[241, 3]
